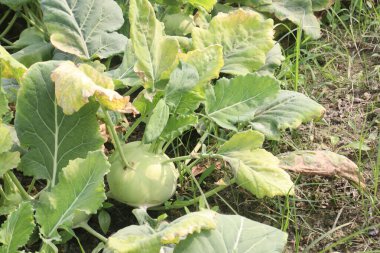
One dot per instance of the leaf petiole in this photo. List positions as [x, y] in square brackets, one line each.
[115, 138]
[17, 183]
[92, 231]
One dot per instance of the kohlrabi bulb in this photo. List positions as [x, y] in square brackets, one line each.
[150, 181]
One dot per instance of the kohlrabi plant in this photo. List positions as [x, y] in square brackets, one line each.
[148, 72]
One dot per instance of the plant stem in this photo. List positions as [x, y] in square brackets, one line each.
[90, 230]
[17, 183]
[133, 127]
[31, 186]
[193, 156]
[9, 26]
[132, 90]
[115, 138]
[181, 204]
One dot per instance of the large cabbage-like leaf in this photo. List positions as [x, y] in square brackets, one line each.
[16, 230]
[80, 189]
[288, 110]
[237, 100]
[10, 67]
[155, 52]
[235, 233]
[157, 121]
[74, 85]
[246, 37]
[52, 137]
[299, 12]
[256, 169]
[136, 239]
[85, 28]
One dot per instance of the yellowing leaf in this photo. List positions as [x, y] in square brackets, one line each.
[74, 86]
[208, 62]
[9, 67]
[256, 169]
[156, 53]
[246, 37]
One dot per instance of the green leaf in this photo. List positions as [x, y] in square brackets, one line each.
[53, 138]
[32, 47]
[179, 24]
[16, 230]
[80, 188]
[177, 125]
[85, 28]
[136, 239]
[206, 4]
[237, 100]
[288, 110]
[246, 37]
[3, 101]
[208, 62]
[75, 85]
[14, 4]
[104, 219]
[247, 140]
[38, 52]
[157, 122]
[155, 52]
[6, 141]
[125, 73]
[299, 12]
[8, 161]
[9, 67]
[236, 234]
[28, 37]
[320, 5]
[182, 80]
[273, 59]
[256, 170]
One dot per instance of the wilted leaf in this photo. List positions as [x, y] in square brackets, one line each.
[74, 86]
[324, 163]
[246, 37]
[288, 110]
[52, 137]
[16, 230]
[80, 188]
[236, 234]
[9, 67]
[237, 100]
[256, 169]
[85, 28]
[155, 52]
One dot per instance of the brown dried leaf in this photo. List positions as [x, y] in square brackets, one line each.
[323, 163]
